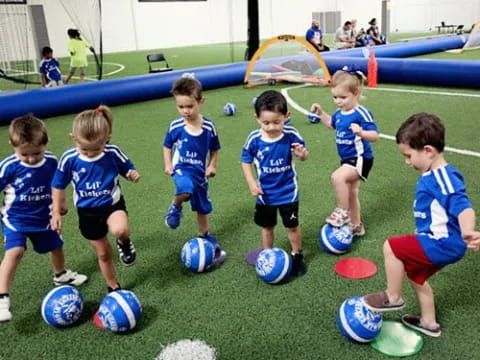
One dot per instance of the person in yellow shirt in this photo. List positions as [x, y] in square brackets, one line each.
[78, 54]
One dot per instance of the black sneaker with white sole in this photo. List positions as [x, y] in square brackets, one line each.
[126, 252]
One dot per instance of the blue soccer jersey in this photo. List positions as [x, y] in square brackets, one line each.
[95, 181]
[440, 197]
[274, 163]
[51, 69]
[350, 145]
[190, 151]
[27, 193]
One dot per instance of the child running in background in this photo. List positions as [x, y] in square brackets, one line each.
[25, 177]
[272, 149]
[355, 129]
[50, 69]
[190, 153]
[77, 47]
[93, 167]
[444, 220]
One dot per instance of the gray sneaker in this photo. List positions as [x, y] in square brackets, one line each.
[70, 277]
[5, 314]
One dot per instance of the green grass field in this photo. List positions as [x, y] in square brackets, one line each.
[231, 308]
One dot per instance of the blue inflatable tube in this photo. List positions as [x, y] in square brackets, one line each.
[71, 99]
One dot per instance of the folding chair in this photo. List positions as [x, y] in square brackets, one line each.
[459, 30]
[157, 58]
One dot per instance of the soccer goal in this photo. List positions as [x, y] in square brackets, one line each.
[473, 41]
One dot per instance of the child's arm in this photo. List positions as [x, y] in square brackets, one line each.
[369, 135]
[167, 161]
[59, 208]
[300, 151]
[253, 184]
[466, 220]
[44, 79]
[326, 118]
[212, 164]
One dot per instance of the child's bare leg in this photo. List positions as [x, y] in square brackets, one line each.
[57, 258]
[202, 220]
[354, 202]
[69, 76]
[8, 267]
[105, 262]
[427, 304]
[267, 237]
[395, 272]
[179, 199]
[340, 184]
[82, 77]
[295, 238]
[118, 225]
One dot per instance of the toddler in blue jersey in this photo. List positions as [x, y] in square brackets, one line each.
[355, 130]
[50, 69]
[190, 152]
[93, 167]
[25, 179]
[444, 221]
[272, 149]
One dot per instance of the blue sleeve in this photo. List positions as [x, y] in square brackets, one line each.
[309, 35]
[62, 177]
[56, 62]
[122, 161]
[247, 156]
[4, 179]
[299, 139]
[215, 142]
[168, 141]
[43, 67]
[368, 122]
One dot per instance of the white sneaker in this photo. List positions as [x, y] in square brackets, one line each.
[5, 314]
[70, 277]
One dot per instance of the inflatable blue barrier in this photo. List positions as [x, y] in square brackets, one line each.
[71, 99]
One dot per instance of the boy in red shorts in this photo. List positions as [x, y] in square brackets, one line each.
[444, 219]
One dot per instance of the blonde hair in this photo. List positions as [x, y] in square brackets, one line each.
[27, 129]
[352, 81]
[93, 125]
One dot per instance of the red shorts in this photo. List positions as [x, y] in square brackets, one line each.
[408, 250]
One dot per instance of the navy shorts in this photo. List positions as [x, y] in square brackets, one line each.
[360, 164]
[93, 221]
[42, 241]
[266, 215]
[196, 188]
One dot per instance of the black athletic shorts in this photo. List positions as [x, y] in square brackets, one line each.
[361, 164]
[266, 215]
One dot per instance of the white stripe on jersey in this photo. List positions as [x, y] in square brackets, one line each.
[116, 150]
[211, 125]
[116, 192]
[439, 222]
[446, 178]
[359, 148]
[67, 155]
[176, 123]
[365, 113]
[5, 163]
[292, 130]
[295, 181]
[253, 135]
[50, 155]
[8, 200]
[439, 181]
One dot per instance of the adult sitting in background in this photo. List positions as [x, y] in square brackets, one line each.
[315, 37]
[373, 34]
[343, 36]
[360, 36]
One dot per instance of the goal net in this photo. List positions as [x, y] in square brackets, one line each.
[473, 41]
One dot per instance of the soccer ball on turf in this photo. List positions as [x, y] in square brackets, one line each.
[336, 240]
[198, 254]
[120, 311]
[62, 306]
[273, 265]
[358, 323]
[313, 118]
[229, 109]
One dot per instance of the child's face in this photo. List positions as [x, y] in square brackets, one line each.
[30, 154]
[344, 98]
[188, 106]
[90, 149]
[272, 123]
[48, 56]
[420, 160]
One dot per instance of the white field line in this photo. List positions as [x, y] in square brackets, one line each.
[120, 68]
[300, 109]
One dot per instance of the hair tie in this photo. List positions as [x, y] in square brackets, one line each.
[98, 110]
[353, 71]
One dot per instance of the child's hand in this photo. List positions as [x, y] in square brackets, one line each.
[255, 189]
[56, 223]
[211, 171]
[63, 209]
[472, 238]
[168, 169]
[316, 109]
[300, 151]
[357, 129]
[133, 176]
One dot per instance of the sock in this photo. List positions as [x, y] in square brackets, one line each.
[123, 242]
[117, 288]
[60, 273]
[4, 295]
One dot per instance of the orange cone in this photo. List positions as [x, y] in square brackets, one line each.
[372, 71]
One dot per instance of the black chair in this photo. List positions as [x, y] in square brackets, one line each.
[160, 59]
[459, 30]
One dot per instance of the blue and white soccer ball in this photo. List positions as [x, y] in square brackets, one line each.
[120, 311]
[336, 240]
[62, 306]
[229, 109]
[198, 254]
[273, 265]
[358, 323]
[313, 118]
